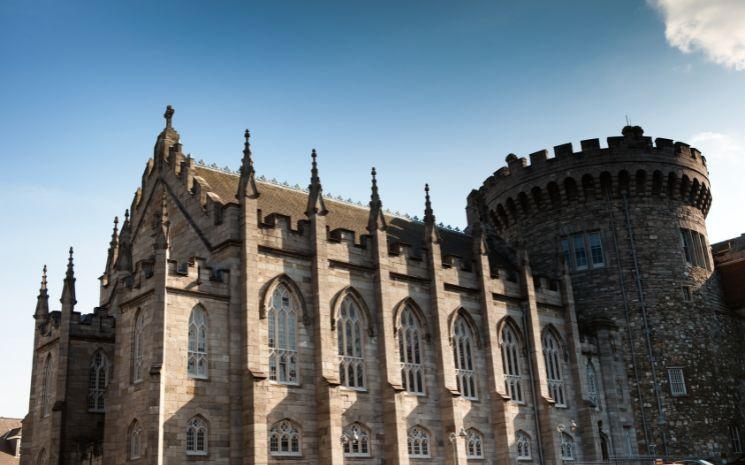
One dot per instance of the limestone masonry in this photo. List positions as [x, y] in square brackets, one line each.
[582, 315]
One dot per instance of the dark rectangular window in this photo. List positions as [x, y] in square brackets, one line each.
[704, 251]
[580, 253]
[566, 252]
[686, 294]
[686, 246]
[596, 250]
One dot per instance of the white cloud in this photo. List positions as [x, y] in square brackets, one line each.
[725, 158]
[715, 27]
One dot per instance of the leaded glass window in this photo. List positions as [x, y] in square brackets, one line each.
[350, 345]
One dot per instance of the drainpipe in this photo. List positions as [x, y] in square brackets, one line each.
[629, 334]
[647, 336]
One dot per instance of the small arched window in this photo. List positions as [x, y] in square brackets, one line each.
[46, 387]
[552, 360]
[196, 437]
[135, 441]
[418, 442]
[463, 355]
[356, 441]
[138, 350]
[197, 358]
[474, 447]
[511, 364]
[284, 439]
[349, 338]
[282, 326]
[592, 384]
[98, 380]
[410, 351]
[523, 445]
[567, 447]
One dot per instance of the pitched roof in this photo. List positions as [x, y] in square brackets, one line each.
[10, 430]
[292, 203]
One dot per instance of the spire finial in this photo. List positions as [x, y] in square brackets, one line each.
[377, 219]
[248, 161]
[68, 287]
[429, 216]
[168, 115]
[42, 301]
[247, 184]
[315, 190]
[44, 279]
[126, 215]
[314, 167]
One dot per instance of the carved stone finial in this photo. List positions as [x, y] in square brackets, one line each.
[42, 301]
[68, 288]
[168, 115]
[377, 218]
[429, 216]
[316, 204]
[247, 185]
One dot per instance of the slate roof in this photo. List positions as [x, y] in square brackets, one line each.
[292, 203]
[10, 429]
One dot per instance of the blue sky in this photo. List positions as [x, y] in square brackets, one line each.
[431, 91]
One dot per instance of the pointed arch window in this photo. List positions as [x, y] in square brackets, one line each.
[592, 384]
[282, 326]
[46, 387]
[98, 380]
[418, 442]
[523, 445]
[284, 439]
[474, 444]
[551, 349]
[135, 441]
[196, 437]
[351, 343]
[356, 441]
[463, 355]
[566, 443]
[138, 350]
[197, 358]
[511, 364]
[410, 352]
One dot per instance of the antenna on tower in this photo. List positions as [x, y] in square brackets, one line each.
[628, 123]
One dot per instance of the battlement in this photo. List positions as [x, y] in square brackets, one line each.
[630, 165]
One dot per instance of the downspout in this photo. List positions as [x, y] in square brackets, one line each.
[629, 335]
[643, 308]
[533, 392]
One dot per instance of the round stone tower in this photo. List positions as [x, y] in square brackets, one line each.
[629, 223]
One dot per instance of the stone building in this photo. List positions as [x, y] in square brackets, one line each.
[246, 322]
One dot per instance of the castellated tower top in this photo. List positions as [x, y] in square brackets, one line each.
[630, 163]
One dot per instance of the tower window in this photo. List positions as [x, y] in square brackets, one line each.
[695, 250]
[583, 250]
[677, 381]
[580, 253]
[734, 432]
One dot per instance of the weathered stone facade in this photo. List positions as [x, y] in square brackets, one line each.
[245, 322]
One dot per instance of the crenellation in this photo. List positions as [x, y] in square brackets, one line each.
[244, 306]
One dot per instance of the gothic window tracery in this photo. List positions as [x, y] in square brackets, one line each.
[511, 364]
[282, 329]
[137, 348]
[418, 442]
[196, 437]
[551, 350]
[463, 355]
[523, 445]
[284, 439]
[474, 444]
[350, 345]
[356, 441]
[197, 357]
[98, 380]
[410, 352]
[135, 441]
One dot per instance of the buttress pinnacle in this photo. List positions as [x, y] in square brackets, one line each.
[68, 287]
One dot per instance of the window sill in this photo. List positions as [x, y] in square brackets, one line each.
[524, 459]
[353, 389]
[280, 383]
